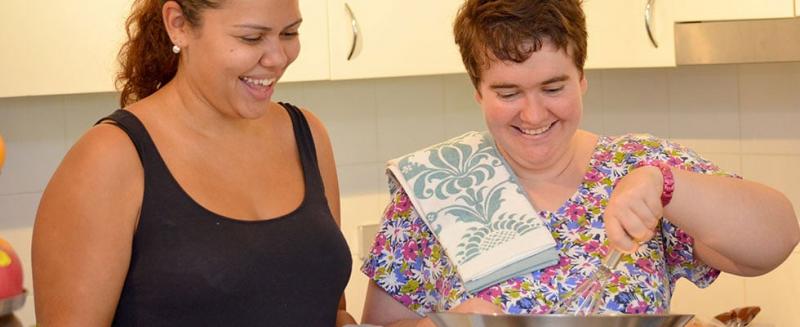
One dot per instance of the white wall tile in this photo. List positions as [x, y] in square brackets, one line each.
[777, 294]
[361, 209]
[779, 172]
[362, 178]
[704, 107]
[593, 103]
[81, 111]
[364, 195]
[33, 129]
[462, 112]
[770, 106]
[347, 108]
[410, 114]
[18, 210]
[636, 101]
[293, 93]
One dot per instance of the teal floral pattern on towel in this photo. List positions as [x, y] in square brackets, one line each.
[466, 186]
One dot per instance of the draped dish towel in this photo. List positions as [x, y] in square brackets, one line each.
[470, 198]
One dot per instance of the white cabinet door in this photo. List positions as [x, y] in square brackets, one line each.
[66, 47]
[694, 10]
[58, 47]
[618, 37]
[312, 63]
[13, 51]
[394, 38]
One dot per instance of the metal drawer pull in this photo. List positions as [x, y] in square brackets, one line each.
[354, 25]
[648, 16]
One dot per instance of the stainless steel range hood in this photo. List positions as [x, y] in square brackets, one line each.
[737, 41]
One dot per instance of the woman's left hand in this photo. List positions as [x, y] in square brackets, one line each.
[634, 209]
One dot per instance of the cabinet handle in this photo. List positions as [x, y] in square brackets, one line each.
[648, 17]
[354, 26]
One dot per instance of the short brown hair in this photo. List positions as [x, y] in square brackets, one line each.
[146, 59]
[514, 29]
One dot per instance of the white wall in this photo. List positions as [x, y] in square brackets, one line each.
[743, 117]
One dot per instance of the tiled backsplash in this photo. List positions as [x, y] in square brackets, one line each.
[743, 117]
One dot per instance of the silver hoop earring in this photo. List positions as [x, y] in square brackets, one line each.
[176, 49]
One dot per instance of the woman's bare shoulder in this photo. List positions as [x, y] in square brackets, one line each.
[104, 149]
[102, 170]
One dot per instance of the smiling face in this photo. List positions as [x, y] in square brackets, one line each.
[233, 59]
[533, 108]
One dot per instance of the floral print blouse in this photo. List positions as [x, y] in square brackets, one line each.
[410, 265]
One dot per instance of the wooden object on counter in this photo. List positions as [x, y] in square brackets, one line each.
[739, 316]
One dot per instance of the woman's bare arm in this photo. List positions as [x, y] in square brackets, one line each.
[83, 230]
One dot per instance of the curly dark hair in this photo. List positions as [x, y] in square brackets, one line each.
[511, 30]
[146, 60]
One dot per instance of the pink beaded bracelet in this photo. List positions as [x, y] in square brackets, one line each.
[669, 180]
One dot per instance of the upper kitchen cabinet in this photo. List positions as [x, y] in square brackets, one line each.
[58, 47]
[12, 57]
[629, 33]
[371, 38]
[312, 63]
[693, 10]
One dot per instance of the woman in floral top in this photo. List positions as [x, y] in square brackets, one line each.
[408, 262]
[594, 193]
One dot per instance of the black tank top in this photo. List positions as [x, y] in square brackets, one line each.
[192, 267]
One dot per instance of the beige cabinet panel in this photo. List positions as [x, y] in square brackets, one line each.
[312, 63]
[60, 47]
[395, 38]
[618, 37]
[67, 47]
[797, 7]
[13, 54]
[694, 10]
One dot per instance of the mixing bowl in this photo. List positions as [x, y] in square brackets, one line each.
[446, 319]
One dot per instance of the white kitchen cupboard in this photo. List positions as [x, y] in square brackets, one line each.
[59, 47]
[13, 51]
[67, 47]
[618, 35]
[392, 38]
[313, 62]
[694, 10]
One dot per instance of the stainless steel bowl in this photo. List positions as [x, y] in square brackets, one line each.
[445, 319]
